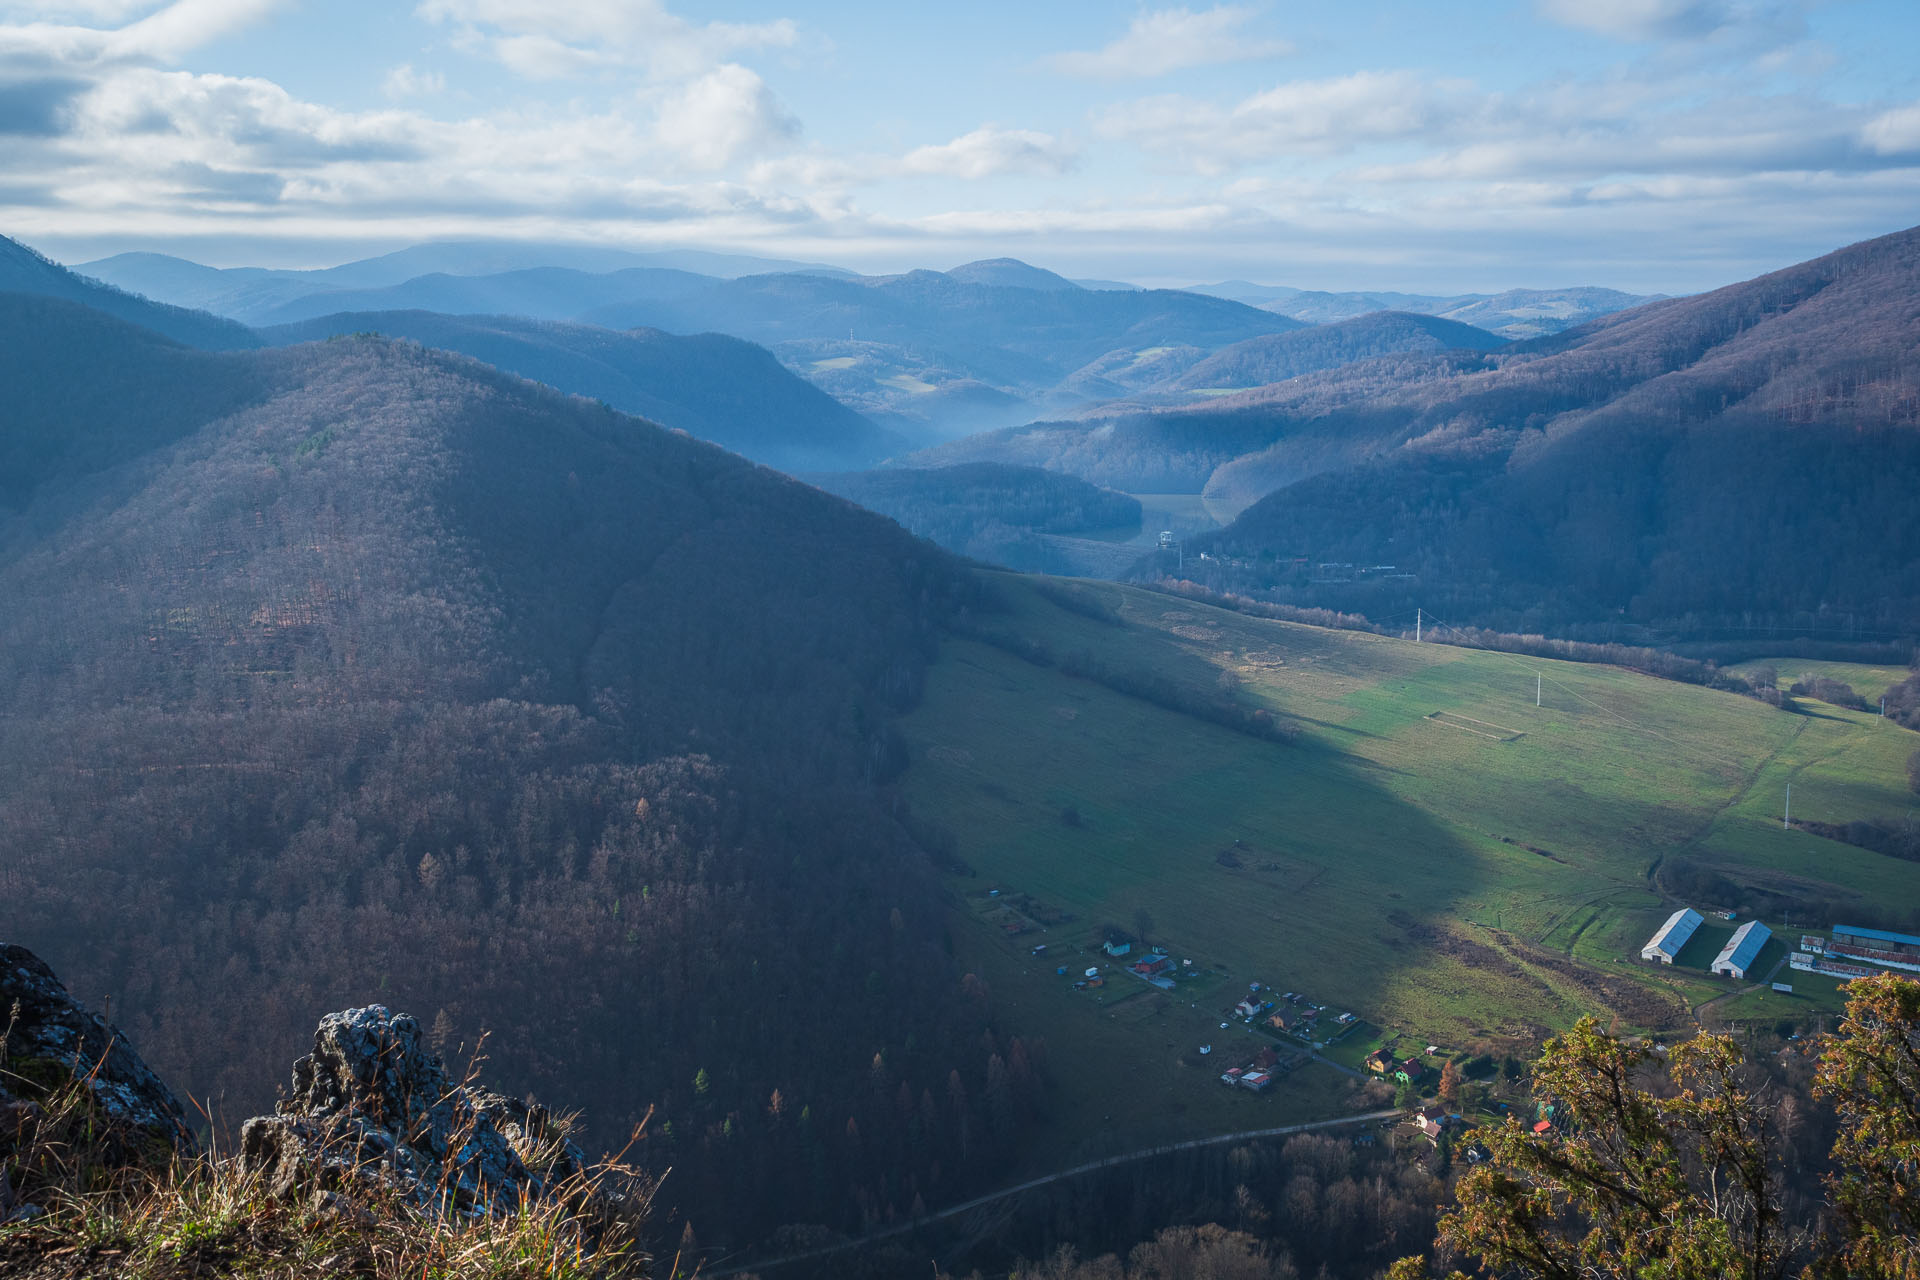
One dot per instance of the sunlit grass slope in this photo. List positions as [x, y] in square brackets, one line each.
[1435, 852]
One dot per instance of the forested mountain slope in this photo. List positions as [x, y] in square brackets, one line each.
[1259, 361]
[366, 672]
[715, 387]
[1511, 315]
[24, 271]
[987, 510]
[1751, 451]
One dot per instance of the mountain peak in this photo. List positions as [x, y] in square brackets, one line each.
[1010, 273]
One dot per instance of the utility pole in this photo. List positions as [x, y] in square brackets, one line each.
[1537, 678]
[1418, 616]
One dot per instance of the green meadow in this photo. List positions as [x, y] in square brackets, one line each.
[1434, 853]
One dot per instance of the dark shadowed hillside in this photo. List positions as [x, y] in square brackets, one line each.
[366, 672]
[24, 271]
[721, 389]
[1748, 454]
[1259, 361]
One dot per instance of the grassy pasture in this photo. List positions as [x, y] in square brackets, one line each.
[1869, 680]
[1472, 889]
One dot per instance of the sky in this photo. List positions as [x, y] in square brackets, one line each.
[1649, 145]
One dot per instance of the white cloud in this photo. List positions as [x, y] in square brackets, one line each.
[1752, 26]
[1640, 19]
[1301, 117]
[1164, 40]
[543, 40]
[725, 115]
[988, 152]
[405, 82]
[109, 11]
[188, 24]
[163, 35]
[1895, 132]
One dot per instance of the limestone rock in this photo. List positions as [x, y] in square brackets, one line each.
[48, 1038]
[373, 1109]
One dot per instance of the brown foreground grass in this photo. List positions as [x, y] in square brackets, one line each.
[103, 1214]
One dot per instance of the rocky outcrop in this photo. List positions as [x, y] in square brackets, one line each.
[63, 1067]
[48, 1039]
[373, 1110]
[372, 1116]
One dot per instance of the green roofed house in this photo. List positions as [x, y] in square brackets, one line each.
[1742, 949]
[1672, 936]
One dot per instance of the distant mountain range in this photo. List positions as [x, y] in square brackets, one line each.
[1514, 314]
[1751, 450]
[717, 388]
[931, 354]
[251, 294]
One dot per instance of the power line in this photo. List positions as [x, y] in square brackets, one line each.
[1638, 727]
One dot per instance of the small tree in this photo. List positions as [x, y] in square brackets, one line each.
[1449, 1087]
[1870, 1071]
[1143, 924]
[1629, 1183]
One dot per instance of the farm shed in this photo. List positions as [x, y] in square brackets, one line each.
[1741, 950]
[1895, 950]
[1665, 945]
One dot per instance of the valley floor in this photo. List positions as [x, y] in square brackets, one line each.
[1434, 853]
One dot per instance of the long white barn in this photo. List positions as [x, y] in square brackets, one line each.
[1673, 935]
[1742, 949]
